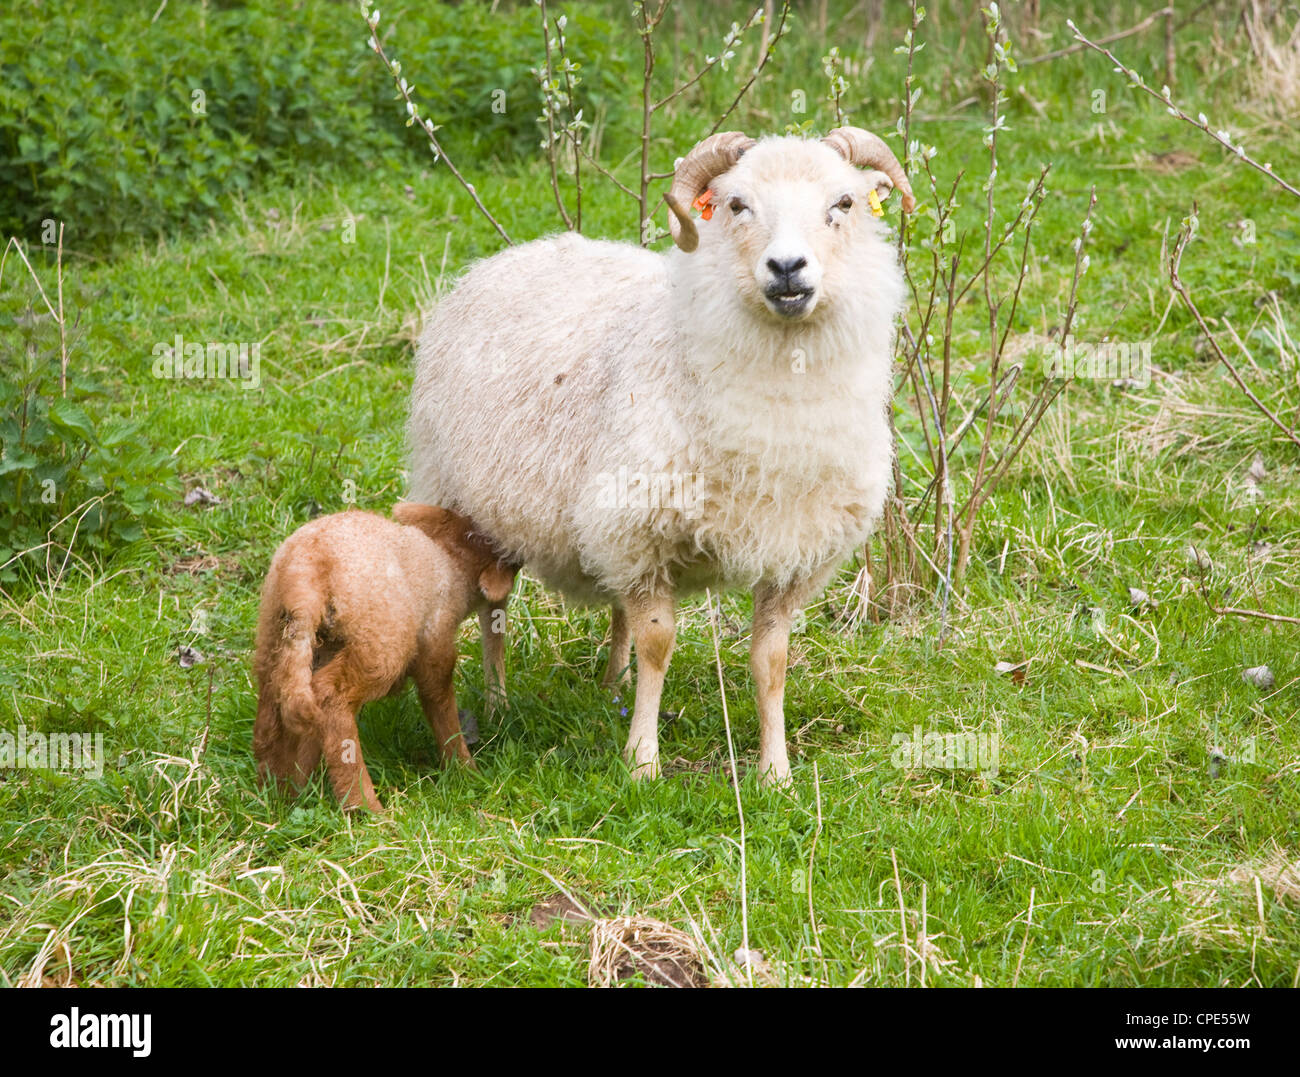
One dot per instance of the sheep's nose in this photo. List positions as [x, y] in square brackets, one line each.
[787, 268]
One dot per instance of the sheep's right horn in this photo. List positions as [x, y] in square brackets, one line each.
[698, 169]
[863, 149]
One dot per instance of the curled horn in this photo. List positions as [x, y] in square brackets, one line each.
[699, 168]
[863, 149]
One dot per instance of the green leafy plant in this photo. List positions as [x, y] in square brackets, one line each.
[66, 480]
[122, 125]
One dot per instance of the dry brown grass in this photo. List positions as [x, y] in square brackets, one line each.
[663, 955]
[1275, 75]
[1233, 906]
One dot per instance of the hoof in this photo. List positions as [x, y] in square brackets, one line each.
[643, 768]
[616, 679]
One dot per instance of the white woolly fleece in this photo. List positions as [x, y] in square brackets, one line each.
[553, 365]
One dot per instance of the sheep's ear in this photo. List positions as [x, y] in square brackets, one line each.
[496, 580]
[882, 183]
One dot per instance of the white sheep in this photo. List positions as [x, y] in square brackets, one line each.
[636, 426]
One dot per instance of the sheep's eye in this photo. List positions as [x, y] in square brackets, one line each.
[845, 203]
[737, 206]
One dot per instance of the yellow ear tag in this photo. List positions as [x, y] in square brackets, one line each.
[873, 199]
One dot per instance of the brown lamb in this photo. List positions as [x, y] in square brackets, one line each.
[353, 605]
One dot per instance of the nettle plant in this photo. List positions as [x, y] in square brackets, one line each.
[68, 486]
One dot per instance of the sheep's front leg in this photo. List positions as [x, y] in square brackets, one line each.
[618, 670]
[650, 620]
[492, 627]
[774, 612]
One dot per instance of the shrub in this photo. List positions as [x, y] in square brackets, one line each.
[66, 481]
[120, 126]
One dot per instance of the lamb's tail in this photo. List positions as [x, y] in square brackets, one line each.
[303, 611]
[293, 610]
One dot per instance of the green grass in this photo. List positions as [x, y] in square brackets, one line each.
[1142, 785]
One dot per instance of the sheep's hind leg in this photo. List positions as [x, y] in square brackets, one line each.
[650, 619]
[618, 670]
[492, 628]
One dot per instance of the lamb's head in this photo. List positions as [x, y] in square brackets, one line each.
[785, 209]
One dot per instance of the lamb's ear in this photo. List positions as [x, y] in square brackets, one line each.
[496, 580]
[428, 518]
[407, 512]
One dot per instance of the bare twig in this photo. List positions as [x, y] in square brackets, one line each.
[426, 125]
[1235, 611]
[608, 174]
[945, 497]
[13, 242]
[1069, 50]
[547, 79]
[1222, 137]
[1039, 407]
[733, 38]
[646, 23]
[1175, 262]
[762, 63]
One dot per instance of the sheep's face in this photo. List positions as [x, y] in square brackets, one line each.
[789, 209]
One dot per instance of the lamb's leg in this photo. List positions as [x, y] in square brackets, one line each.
[650, 619]
[341, 744]
[305, 752]
[271, 749]
[286, 753]
[433, 679]
[774, 612]
[492, 628]
[618, 670]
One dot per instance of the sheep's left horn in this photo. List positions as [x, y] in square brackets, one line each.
[699, 168]
[865, 150]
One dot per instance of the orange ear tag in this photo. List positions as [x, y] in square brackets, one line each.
[873, 199]
[704, 205]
